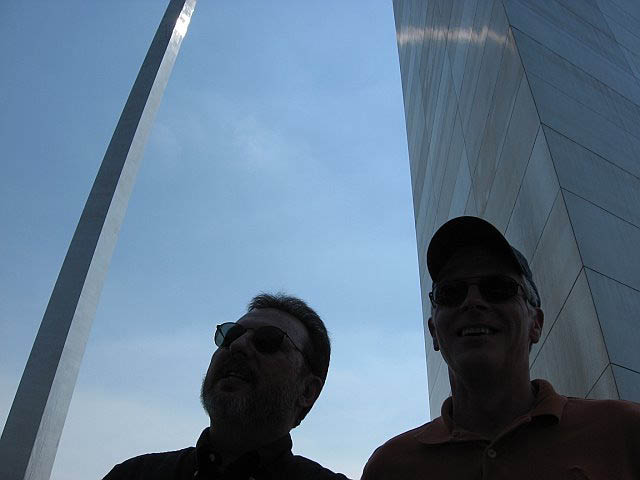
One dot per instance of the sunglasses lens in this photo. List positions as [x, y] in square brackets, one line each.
[268, 339]
[450, 294]
[227, 333]
[498, 289]
[494, 289]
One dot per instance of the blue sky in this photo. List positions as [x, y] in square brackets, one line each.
[277, 161]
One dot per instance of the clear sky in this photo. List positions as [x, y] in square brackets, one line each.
[277, 161]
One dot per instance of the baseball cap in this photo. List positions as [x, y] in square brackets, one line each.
[469, 231]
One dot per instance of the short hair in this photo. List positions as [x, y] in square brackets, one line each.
[531, 293]
[318, 351]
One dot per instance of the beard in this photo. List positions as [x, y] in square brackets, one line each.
[263, 406]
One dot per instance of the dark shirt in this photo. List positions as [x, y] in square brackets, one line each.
[560, 438]
[274, 462]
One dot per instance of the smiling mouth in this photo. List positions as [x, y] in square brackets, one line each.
[476, 331]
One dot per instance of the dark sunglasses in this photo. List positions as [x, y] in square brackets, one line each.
[266, 339]
[493, 288]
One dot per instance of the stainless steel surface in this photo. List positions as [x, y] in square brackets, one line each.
[497, 197]
[586, 352]
[585, 126]
[628, 383]
[605, 387]
[608, 244]
[556, 264]
[577, 167]
[617, 306]
[537, 193]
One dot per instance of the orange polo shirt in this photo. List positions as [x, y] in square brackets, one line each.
[560, 438]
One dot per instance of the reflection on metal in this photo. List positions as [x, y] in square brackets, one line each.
[417, 35]
[31, 435]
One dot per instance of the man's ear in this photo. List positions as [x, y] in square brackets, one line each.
[312, 385]
[536, 326]
[432, 331]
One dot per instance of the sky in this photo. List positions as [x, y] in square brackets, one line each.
[277, 161]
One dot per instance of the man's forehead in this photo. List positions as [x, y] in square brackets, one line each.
[277, 318]
[477, 260]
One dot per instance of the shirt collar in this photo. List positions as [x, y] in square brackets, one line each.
[208, 460]
[548, 402]
[443, 430]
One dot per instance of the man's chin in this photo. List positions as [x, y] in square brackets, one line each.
[478, 362]
[235, 407]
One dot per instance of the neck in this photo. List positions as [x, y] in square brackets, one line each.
[489, 404]
[232, 442]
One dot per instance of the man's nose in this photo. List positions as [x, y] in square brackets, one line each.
[243, 342]
[474, 298]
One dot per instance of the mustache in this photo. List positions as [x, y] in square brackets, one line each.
[236, 363]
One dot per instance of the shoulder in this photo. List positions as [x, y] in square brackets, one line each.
[152, 465]
[389, 456]
[404, 440]
[302, 467]
[617, 411]
[605, 422]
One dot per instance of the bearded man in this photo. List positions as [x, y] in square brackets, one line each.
[263, 379]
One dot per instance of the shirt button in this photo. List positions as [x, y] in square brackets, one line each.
[491, 453]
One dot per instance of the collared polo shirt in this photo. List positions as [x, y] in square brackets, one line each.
[560, 438]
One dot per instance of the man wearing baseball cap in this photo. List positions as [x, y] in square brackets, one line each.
[497, 423]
